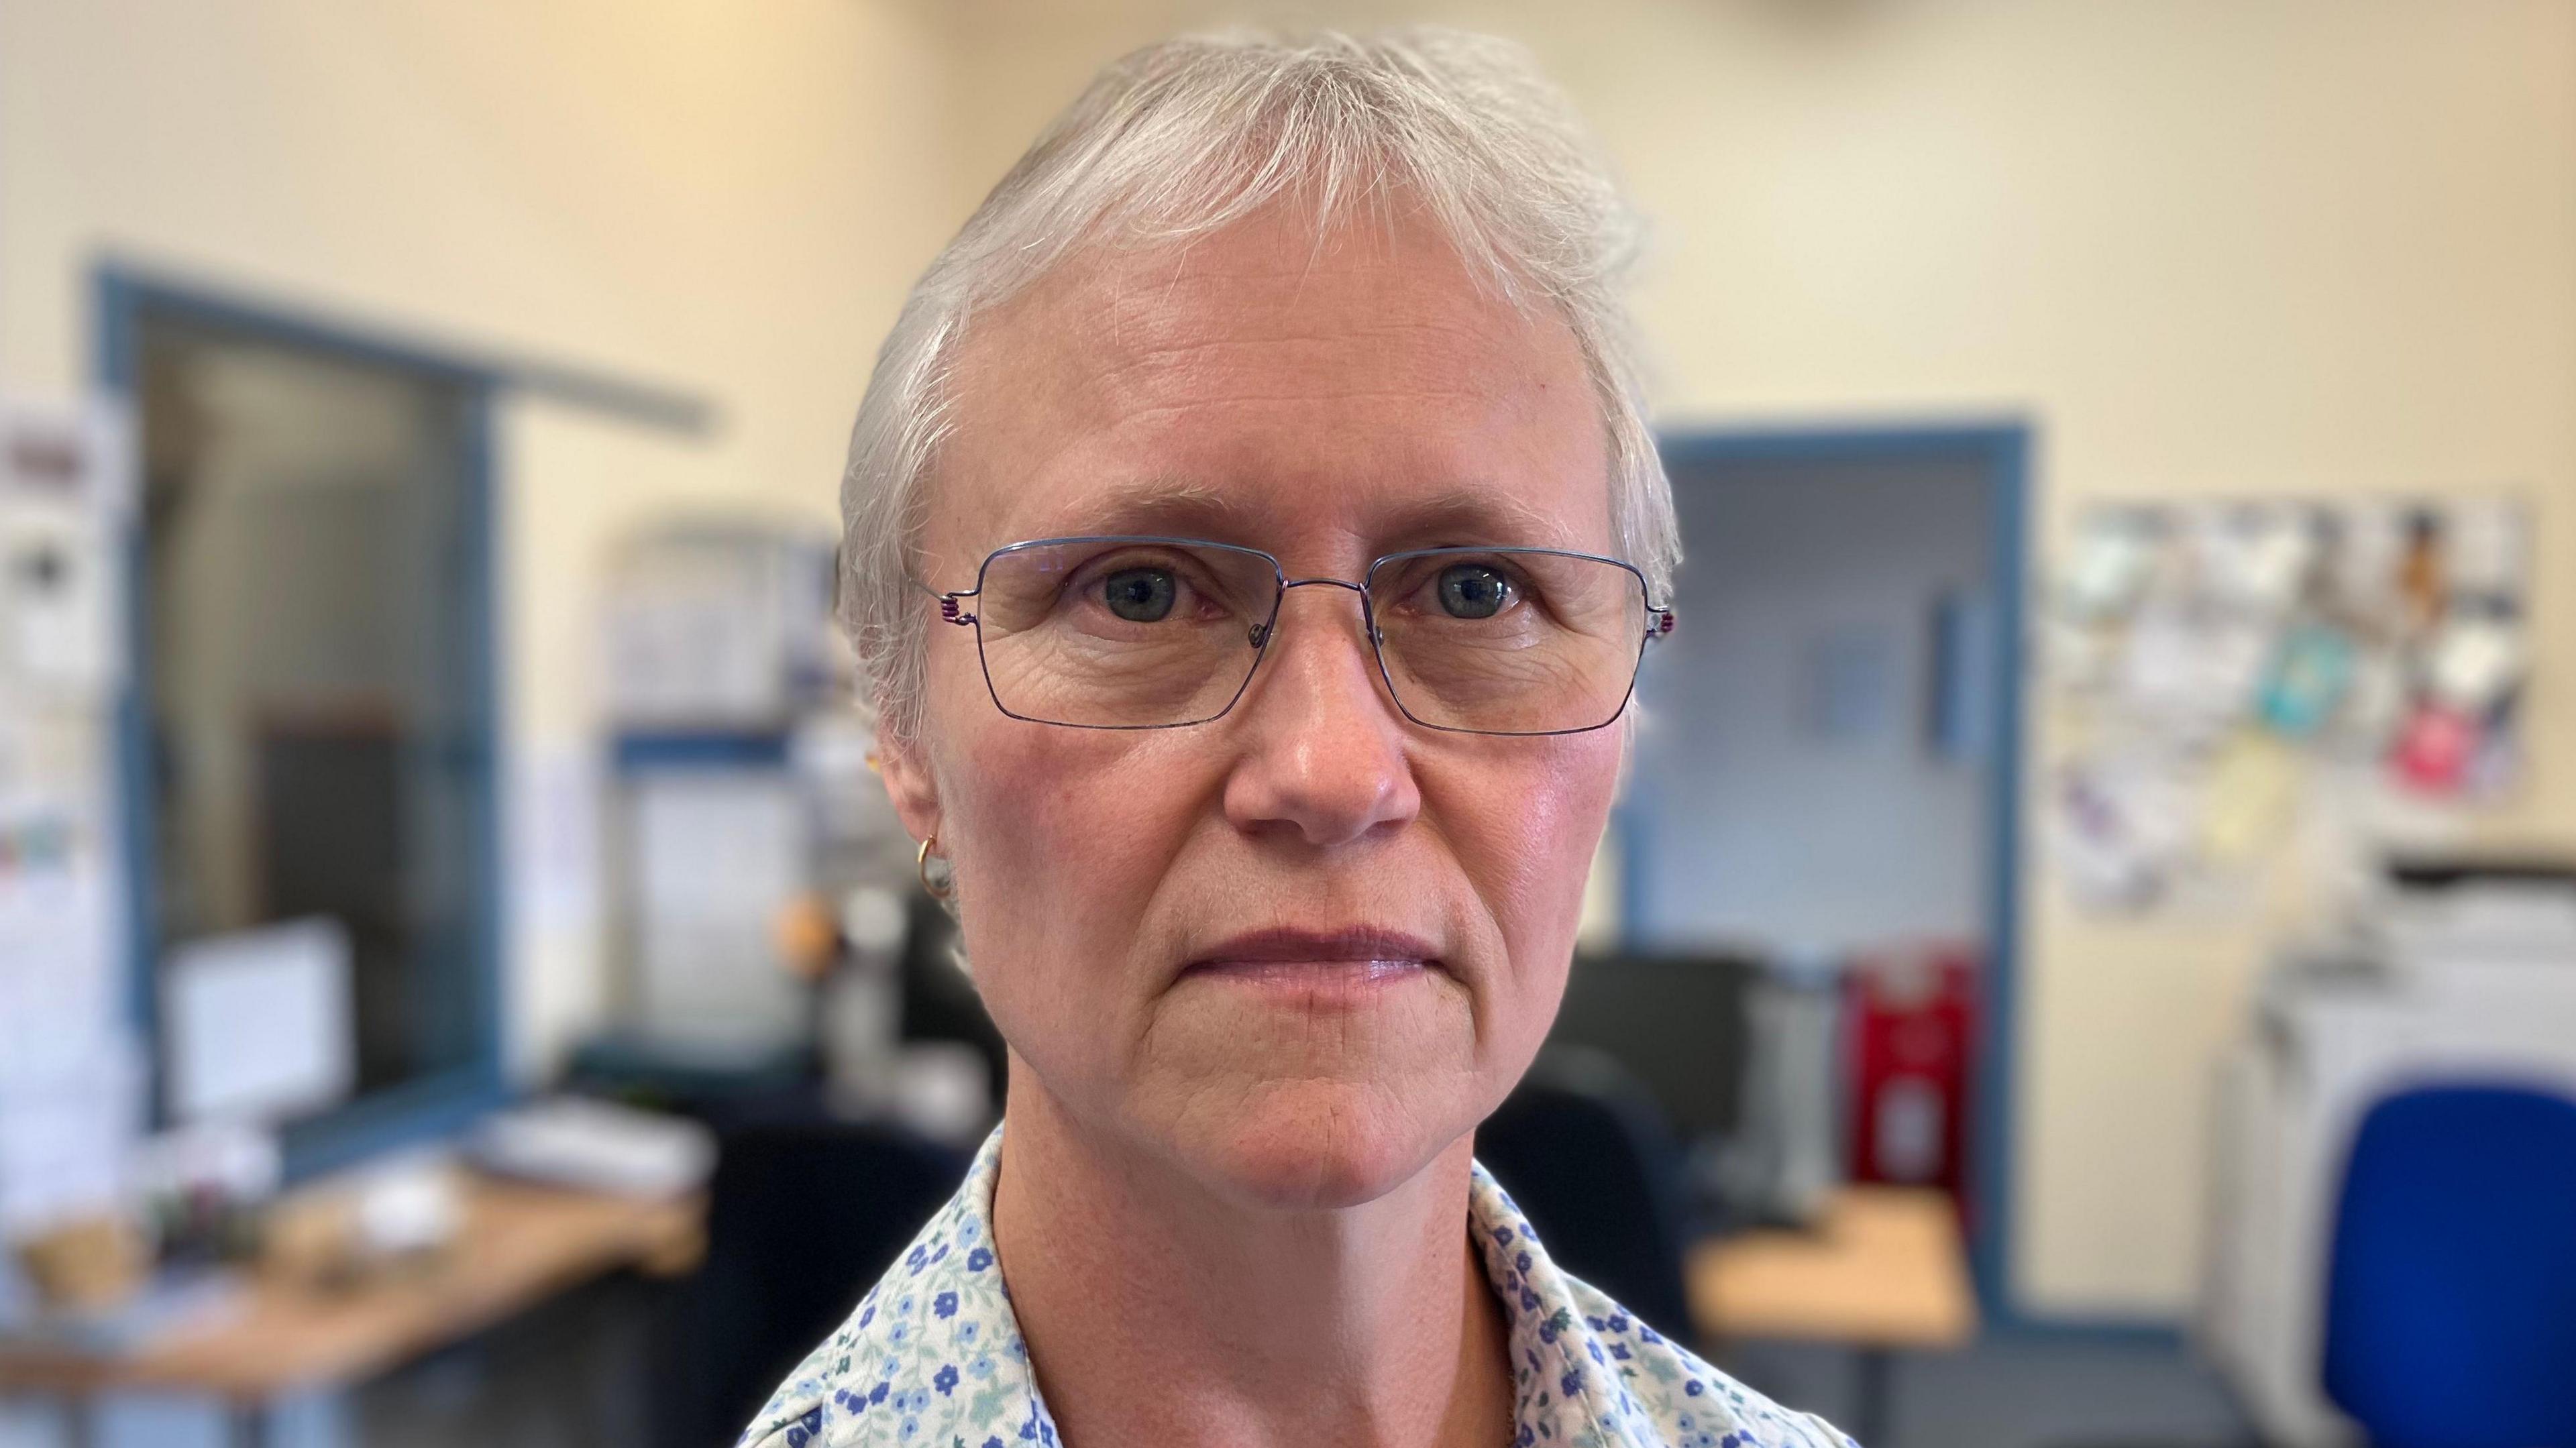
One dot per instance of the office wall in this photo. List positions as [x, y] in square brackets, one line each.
[658, 190]
[2206, 246]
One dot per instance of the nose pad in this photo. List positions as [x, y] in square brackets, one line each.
[1261, 635]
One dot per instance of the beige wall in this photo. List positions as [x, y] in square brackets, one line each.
[2204, 246]
[657, 189]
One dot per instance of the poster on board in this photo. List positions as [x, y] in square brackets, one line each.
[69, 1088]
[2224, 675]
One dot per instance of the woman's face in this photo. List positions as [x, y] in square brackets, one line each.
[1299, 950]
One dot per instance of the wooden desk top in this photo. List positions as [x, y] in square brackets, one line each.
[1883, 1267]
[520, 1244]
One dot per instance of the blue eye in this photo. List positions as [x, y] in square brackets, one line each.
[1140, 595]
[1472, 590]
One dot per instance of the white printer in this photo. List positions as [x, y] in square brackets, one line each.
[2453, 971]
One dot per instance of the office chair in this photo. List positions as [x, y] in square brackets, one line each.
[802, 1217]
[2451, 1282]
[1583, 1148]
[2451, 1289]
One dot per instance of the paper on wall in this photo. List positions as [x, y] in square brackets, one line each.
[70, 1086]
[59, 631]
[2249, 798]
[65, 1137]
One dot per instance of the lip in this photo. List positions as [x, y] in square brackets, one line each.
[1348, 961]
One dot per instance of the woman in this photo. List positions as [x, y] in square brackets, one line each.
[1252, 537]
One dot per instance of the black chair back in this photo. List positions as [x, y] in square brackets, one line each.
[802, 1218]
[1585, 1152]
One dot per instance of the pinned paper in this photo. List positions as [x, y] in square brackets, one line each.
[2249, 799]
[2308, 680]
[2436, 749]
[2474, 662]
[2113, 554]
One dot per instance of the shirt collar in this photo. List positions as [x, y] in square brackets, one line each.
[935, 1345]
[1566, 1364]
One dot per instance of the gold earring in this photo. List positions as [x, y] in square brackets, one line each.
[946, 884]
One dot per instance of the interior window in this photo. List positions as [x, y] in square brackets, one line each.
[315, 676]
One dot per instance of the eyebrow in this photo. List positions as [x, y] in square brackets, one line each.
[1161, 505]
[1178, 507]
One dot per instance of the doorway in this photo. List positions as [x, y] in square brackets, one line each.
[1833, 737]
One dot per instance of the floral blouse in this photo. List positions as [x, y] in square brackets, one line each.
[933, 1356]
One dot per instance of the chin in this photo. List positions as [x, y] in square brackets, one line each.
[1311, 1143]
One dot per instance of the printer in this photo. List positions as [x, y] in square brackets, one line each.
[2450, 971]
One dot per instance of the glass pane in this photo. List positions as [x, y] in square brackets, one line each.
[1122, 632]
[1508, 641]
[314, 672]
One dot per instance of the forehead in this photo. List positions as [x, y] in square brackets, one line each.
[1349, 391]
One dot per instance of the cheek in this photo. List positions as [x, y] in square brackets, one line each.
[1060, 838]
[1524, 828]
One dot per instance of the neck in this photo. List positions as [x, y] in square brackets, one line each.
[1157, 1312]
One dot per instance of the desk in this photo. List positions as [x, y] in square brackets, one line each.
[519, 1245]
[1883, 1270]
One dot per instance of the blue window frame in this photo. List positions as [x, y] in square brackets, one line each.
[467, 1078]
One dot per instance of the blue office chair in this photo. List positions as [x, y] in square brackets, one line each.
[2451, 1291]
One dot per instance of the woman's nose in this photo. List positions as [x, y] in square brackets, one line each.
[1322, 747]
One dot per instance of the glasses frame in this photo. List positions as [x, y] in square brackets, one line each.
[1657, 622]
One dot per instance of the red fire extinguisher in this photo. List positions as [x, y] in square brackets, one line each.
[1911, 1015]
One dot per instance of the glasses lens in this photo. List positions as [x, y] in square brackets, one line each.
[1508, 641]
[1122, 632]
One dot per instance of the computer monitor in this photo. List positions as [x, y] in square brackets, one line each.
[1676, 1021]
[255, 1024]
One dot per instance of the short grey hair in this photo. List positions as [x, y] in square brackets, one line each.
[1183, 138]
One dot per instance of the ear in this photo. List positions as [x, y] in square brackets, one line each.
[905, 767]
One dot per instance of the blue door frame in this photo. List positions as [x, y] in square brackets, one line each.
[432, 1105]
[2001, 451]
